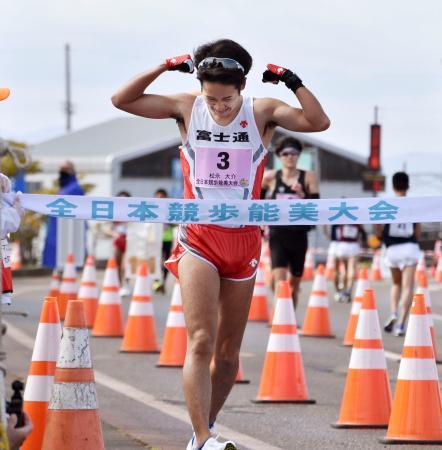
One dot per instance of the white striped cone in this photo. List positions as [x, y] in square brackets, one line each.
[438, 274]
[421, 267]
[54, 290]
[283, 378]
[173, 350]
[330, 267]
[109, 317]
[88, 291]
[309, 266]
[361, 285]
[68, 287]
[259, 305]
[41, 371]
[416, 416]
[317, 318]
[375, 272]
[73, 421]
[140, 334]
[366, 402]
[319, 282]
[423, 289]
[266, 259]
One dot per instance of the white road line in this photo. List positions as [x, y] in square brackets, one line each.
[435, 287]
[23, 291]
[146, 399]
[393, 356]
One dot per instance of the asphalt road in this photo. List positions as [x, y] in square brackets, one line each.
[142, 406]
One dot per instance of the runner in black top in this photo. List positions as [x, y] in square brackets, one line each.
[288, 244]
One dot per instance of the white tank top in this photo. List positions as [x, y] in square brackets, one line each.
[223, 162]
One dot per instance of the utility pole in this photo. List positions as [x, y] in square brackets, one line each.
[68, 104]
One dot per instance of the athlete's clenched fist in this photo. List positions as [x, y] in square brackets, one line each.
[181, 63]
[274, 74]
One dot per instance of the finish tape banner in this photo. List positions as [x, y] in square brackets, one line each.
[238, 212]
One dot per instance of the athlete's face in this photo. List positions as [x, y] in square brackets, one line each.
[223, 100]
[289, 158]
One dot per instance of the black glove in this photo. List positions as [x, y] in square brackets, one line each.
[181, 63]
[274, 74]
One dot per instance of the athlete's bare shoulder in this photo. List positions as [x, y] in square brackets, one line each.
[265, 106]
[185, 101]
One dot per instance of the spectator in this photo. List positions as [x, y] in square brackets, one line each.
[166, 248]
[68, 186]
[118, 233]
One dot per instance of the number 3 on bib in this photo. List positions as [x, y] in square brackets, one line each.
[224, 161]
[226, 168]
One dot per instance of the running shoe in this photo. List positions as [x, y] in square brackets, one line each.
[192, 441]
[125, 291]
[157, 286]
[399, 330]
[337, 297]
[388, 325]
[213, 444]
[346, 297]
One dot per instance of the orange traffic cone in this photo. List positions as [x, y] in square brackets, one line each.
[283, 378]
[140, 334]
[240, 378]
[317, 318]
[173, 351]
[309, 266]
[54, 290]
[438, 274]
[330, 267]
[68, 288]
[41, 372]
[366, 402]
[72, 420]
[422, 288]
[361, 285]
[16, 256]
[416, 415]
[375, 273]
[267, 261]
[421, 267]
[259, 310]
[109, 317]
[88, 291]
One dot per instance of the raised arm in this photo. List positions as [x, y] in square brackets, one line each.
[132, 99]
[309, 118]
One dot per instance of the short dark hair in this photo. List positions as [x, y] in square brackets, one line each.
[123, 194]
[401, 181]
[223, 48]
[162, 192]
[287, 141]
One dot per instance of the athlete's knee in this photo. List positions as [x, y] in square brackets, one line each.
[227, 362]
[201, 343]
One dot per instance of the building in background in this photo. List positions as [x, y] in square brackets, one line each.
[140, 155]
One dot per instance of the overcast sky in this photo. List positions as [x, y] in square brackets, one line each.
[352, 54]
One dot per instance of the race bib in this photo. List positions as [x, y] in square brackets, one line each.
[349, 232]
[227, 168]
[6, 253]
[402, 230]
[286, 196]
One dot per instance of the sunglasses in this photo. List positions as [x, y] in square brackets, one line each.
[289, 152]
[220, 63]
